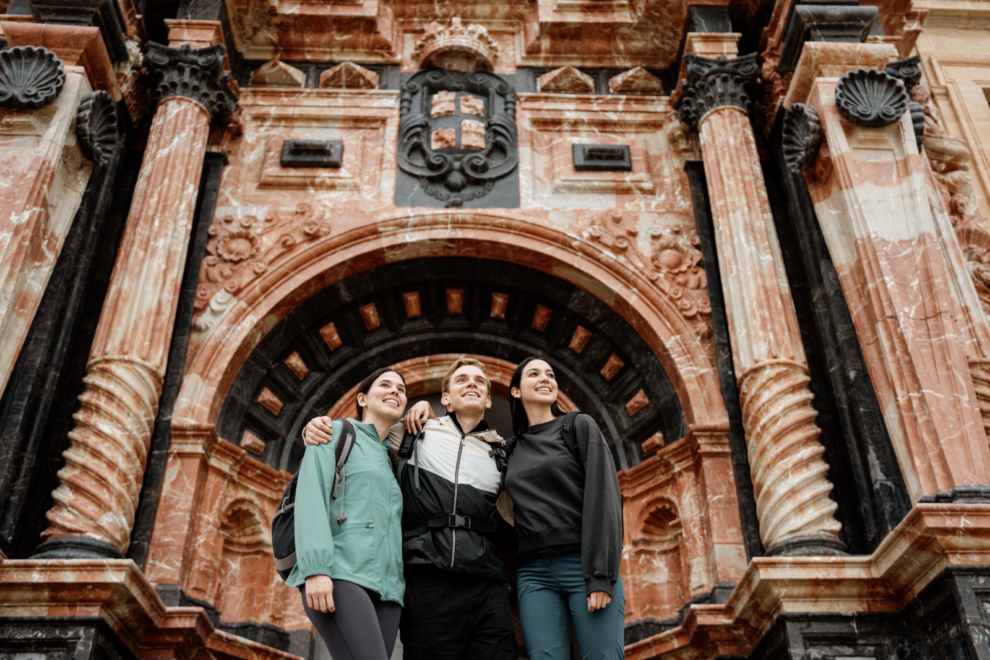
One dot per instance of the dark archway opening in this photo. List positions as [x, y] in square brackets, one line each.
[431, 306]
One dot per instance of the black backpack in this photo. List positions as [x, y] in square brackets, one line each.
[284, 521]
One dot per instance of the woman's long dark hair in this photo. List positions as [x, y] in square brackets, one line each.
[520, 422]
[365, 387]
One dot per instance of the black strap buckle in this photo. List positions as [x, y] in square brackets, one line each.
[455, 521]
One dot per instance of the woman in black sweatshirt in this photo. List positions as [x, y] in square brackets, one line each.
[568, 515]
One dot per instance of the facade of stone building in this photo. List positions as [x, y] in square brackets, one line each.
[751, 235]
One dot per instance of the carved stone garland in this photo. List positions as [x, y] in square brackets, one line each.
[30, 77]
[96, 127]
[870, 98]
[196, 74]
[457, 133]
[801, 137]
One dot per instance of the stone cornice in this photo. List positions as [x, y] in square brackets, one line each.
[714, 83]
[929, 539]
[196, 74]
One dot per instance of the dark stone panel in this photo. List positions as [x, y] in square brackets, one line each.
[838, 21]
[212, 10]
[704, 18]
[869, 487]
[601, 157]
[154, 474]
[36, 406]
[60, 638]
[333, 373]
[723, 357]
[105, 15]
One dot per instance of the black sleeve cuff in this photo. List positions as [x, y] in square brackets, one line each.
[600, 584]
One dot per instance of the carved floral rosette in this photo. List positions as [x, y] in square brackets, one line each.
[240, 250]
[452, 165]
[671, 260]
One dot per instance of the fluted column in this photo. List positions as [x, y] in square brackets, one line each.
[793, 500]
[873, 197]
[101, 481]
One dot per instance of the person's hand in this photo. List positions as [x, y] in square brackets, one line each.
[596, 601]
[417, 416]
[318, 431]
[319, 593]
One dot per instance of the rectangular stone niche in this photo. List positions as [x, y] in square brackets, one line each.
[312, 153]
[602, 158]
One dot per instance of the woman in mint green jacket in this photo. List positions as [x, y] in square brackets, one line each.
[349, 550]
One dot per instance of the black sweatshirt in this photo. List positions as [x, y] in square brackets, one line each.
[560, 505]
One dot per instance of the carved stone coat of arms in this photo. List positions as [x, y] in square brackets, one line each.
[457, 136]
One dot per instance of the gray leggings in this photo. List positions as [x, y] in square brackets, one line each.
[358, 611]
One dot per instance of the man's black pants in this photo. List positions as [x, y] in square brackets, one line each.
[455, 616]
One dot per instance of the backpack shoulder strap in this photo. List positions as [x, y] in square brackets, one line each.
[570, 437]
[341, 451]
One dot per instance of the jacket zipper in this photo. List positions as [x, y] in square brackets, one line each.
[457, 474]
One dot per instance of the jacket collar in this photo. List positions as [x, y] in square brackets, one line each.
[481, 431]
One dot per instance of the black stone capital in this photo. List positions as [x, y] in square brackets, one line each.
[712, 83]
[196, 74]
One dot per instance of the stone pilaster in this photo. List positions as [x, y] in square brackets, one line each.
[101, 481]
[898, 265]
[793, 504]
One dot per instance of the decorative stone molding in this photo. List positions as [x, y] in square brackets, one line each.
[713, 83]
[825, 22]
[457, 153]
[456, 47]
[670, 259]
[275, 73]
[566, 80]
[30, 77]
[349, 76]
[870, 98]
[635, 81]
[802, 137]
[241, 249]
[917, 122]
[196, 74]
[97, 128]
[104, 15]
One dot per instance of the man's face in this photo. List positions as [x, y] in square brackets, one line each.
[467, 391]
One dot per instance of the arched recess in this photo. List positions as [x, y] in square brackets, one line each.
[231, 327]
[378, 317]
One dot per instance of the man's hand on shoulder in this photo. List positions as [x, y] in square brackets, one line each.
[417, 416]
[319, 431]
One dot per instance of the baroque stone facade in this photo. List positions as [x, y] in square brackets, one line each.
[751, 236]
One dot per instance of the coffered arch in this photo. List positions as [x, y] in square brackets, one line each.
[394, 312]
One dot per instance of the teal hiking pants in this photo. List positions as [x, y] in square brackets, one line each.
[551, 592]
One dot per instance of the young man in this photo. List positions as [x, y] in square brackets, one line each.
[457, 595]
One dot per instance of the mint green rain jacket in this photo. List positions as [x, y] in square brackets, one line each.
[365, 549]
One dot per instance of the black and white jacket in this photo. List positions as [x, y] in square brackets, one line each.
[457, 475]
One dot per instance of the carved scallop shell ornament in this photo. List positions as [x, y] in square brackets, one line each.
[30, 77]
[96, 127]
[871, 98]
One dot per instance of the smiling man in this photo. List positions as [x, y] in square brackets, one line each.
[457, 594]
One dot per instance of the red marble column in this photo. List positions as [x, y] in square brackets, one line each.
[871, 190]
[105, 462]
[793, 500]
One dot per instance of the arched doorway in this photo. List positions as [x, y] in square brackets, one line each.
[424, 307]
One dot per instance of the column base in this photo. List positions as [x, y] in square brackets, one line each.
[76, 547]
[816, 545]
